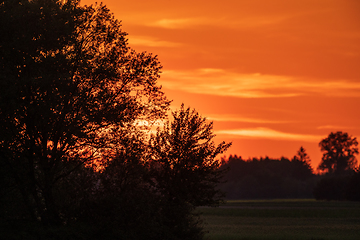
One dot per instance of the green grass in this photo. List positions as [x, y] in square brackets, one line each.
[283, 219]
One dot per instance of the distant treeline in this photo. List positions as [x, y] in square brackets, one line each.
[267, 178]
[338, 175]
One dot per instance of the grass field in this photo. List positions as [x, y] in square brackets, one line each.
[283, 219]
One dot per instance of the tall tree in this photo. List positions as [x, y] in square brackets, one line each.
[69, 85]
[302, 163]
[302, 156]
[339, 152]
[184, 165]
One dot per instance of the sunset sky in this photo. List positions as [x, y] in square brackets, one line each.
[272, 75]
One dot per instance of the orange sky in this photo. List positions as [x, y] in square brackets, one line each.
[272, 75]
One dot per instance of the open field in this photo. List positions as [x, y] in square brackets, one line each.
[283, 219]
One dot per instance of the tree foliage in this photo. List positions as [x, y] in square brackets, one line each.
[185, 169]
[341, 178]
[71, 151]
[303, 164]
[69, 85]
[339, 153]
[184, 159]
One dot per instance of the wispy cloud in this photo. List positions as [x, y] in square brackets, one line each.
[267, 133]
[151, 42]
[232, 118]
[333, 127]
[226, 83]
[243, 22]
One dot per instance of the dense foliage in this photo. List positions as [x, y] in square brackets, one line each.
[76, 162]
[339, 153]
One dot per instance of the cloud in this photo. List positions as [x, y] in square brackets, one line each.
[226, 83]
[267, 133]
[220, 82]
[231, 118]
[151, 42]
[247, 22]
[334, 127]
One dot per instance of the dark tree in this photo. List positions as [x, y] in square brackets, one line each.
[302, 162]
[185, 169]
[69, 86]
[339, 162]
[339, 153]
[302, 156]
[184, 156]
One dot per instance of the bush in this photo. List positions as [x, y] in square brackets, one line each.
[332, 187]
[352, 189]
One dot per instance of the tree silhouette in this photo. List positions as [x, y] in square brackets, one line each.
[72, 151]
[339, 152]
[69, 86]
[302, 156]
[303, 167]
[339, 162]
[185, 169]
[185, 159]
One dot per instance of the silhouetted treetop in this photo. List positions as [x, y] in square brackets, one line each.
[303, 161]
[184, 159]
[339, 150]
